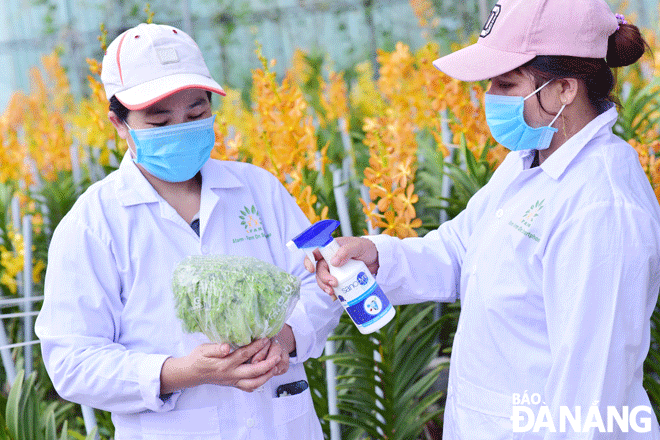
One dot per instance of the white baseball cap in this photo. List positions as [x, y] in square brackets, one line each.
[153, 61]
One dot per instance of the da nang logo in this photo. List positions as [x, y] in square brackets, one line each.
[488, 27]
[252, 224]
[531, 414]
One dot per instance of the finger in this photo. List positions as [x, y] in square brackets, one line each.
[323, 278]
[252, 384]
[225, 349]
[309, 265]
[216, 350]
[351, 248]
[243, 354]
[278, 351]
[283, 365]
[250, 371]
[261, 354]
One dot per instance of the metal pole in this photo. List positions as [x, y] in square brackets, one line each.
[7, 359]
[349, 160]
[339, 190]
[373, 44]
[447, 140]
[379, 390]
[364, 192]
[90, 419]
[27, 290]
[484, 11]
[75, 162]
[187, 20]
[331, 379]
[74, 62]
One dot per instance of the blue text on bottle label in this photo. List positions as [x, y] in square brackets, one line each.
[365, 304]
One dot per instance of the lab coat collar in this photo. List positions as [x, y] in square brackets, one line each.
[133, 188]
[558, 161]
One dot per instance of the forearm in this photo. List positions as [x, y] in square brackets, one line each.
[176, 375]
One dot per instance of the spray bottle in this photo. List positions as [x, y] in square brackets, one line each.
[357, 290]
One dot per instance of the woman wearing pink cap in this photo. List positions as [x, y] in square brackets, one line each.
[556, 260]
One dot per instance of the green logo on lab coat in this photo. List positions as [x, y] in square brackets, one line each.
[532, 213]
[527, 219]
[251, 221]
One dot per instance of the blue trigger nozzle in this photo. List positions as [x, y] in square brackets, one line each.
[316, 236]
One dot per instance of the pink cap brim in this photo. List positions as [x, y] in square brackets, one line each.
[150, 92]
[479, 62]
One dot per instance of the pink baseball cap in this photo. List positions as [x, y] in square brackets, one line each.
[519, 30]
[153, 61]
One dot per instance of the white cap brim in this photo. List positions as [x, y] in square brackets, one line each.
[479, 62]
[150, 92]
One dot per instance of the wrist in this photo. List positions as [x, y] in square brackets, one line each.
[286, 340]
[175, 375]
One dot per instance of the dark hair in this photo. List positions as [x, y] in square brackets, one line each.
[121, 111]
[625, 47]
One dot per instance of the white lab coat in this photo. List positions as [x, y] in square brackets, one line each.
[557, 268]
[108, 320]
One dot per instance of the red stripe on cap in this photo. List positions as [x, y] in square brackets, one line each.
[121, 77]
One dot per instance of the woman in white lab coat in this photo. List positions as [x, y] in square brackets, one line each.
[109, 332]
[556, 261]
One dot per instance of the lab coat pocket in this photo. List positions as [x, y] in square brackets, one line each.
[185, 424]
[486, 413]
[294, 417]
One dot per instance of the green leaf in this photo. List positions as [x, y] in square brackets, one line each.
[51, 427]
[92, 434]
[27, 408]
[13, 413]
[351, 421]
[405, 331]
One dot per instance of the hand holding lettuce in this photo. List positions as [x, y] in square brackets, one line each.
[233, 299]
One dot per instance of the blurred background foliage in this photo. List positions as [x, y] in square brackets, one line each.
[381, 138]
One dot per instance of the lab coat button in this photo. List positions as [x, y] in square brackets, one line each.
[249, 423]
[205, 249]
[499, 213]
[474, 269]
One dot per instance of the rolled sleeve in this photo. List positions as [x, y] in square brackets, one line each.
[149, 383]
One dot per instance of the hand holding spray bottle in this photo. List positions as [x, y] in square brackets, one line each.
[357, 290]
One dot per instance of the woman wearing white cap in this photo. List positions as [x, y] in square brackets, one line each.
[556, 260]
[109, 333]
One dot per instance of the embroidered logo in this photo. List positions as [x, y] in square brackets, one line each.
[532, 213]
[250, 219]
[527, 219]
[251, 222]
[488, 27]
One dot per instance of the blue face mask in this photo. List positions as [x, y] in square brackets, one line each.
[504, 116]
[174, 153]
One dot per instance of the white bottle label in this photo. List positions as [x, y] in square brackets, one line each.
[363, 299]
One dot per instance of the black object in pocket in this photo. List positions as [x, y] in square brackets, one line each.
[290, 389]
